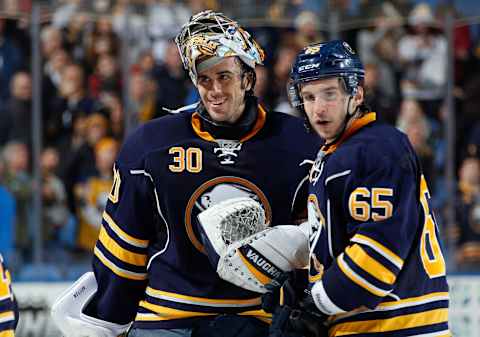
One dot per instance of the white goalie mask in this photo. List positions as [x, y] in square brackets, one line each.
[208, 34]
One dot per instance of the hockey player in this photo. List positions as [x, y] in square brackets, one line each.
[8, 308]
[376, 264]
[150, 266]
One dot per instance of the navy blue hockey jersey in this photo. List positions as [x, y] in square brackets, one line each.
[7, 303]
[149, 260]
[376, 261]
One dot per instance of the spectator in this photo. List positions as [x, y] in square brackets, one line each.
[73, 101]
[74, 36]
[376, 97]
[473, 144]
[94, 195]
[143, 98]
[378, 45]
[468, 215]
[52, 76]
[16, 123]
[146, 62]
[106, 76]
[277, 95]
[51, 40]
[55, 211]
[102, 40]
[165, 18]
[307, 29]
[261, 85]
[114, 108]
[7, 214]
[68, 151]
[11, 61]
[82, 166]
[18, 182]
[423, 52]
[413, 121]
[171, 79]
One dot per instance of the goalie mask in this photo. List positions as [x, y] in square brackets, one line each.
[210, 34]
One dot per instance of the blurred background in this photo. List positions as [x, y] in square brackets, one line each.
[77, 76]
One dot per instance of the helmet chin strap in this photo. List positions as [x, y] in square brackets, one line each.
[347, 118]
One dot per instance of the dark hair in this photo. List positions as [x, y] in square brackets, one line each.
[249, 72]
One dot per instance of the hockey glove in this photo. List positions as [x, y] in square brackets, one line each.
[275, 296]
[307, 319]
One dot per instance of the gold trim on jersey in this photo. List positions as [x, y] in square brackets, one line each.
[117, 270]
[412, 301]
[315, 278]
[165, 313]
[370, 265]
[259, 314]
[123, 235]
[162, 313]
[357, 279]
[119, 252]
[395, 305]
[7, 316]
[260, 122]
[356, 125]
[408, 321]
[379, 248]
[7, 333]
[202, 301]
[215, 181]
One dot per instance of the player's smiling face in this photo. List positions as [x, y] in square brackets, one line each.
[325, 103]
[222, 90]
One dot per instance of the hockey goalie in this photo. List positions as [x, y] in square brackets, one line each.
[239, 244]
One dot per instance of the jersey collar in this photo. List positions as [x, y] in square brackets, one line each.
[356, 125]
[205, 135]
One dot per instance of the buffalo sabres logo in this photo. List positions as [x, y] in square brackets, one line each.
[202, 44]
[214, 191]
[312, 50]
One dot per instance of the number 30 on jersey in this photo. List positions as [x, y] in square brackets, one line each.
[189, 159]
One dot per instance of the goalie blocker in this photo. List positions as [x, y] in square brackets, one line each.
[243, 250]
[67, 312]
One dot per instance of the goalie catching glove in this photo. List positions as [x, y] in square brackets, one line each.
[67, 312]
[243, 250]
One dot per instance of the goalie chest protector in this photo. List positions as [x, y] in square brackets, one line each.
[185, 171]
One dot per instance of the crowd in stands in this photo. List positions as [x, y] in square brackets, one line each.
[86, 115]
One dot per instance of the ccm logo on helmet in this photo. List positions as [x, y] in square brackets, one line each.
[309, 66]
